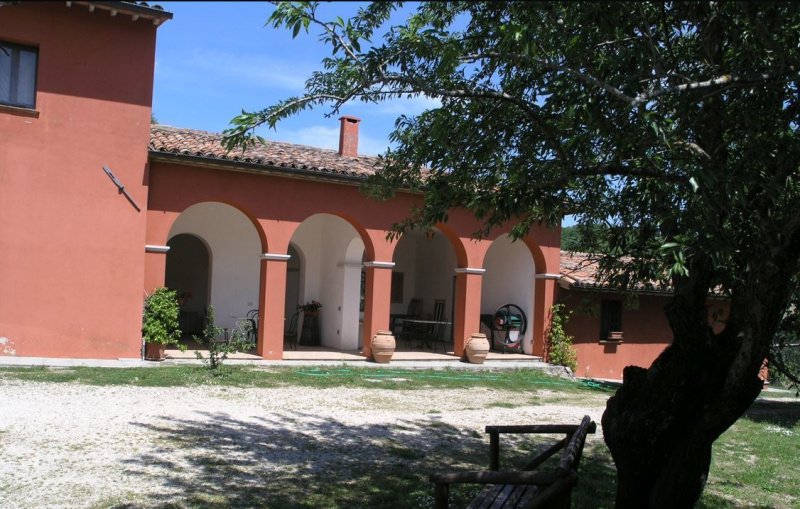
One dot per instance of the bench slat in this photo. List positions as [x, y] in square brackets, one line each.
[560, 489]
[504, 495]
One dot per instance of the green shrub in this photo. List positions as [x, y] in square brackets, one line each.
[219, 348]
[160, 320]
[559, 344]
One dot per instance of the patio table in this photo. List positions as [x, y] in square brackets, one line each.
[423, 327]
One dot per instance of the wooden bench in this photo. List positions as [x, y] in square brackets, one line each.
[526, 488]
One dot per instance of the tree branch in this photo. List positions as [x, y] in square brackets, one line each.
[726, 79]
[586, 78]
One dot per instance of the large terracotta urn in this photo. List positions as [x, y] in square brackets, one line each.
[477, 348]
[383, 346]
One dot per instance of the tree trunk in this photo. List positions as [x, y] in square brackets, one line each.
[660, 427]
[662, 422]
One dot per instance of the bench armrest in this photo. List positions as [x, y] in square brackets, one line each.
[539, 428]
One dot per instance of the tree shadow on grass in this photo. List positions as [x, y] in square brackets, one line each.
[297, 461]
[782, 412]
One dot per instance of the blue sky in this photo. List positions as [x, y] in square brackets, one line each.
[213, 59]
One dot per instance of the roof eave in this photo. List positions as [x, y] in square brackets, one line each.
[595, 288]
[257, 168]
[158, 16]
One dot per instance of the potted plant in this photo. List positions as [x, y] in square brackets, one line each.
[310, 333]
[310, 308]
[160, 323]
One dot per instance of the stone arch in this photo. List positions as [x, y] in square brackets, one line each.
[425, 264]
[188, 273]
[235, 243]
[509, 279]
[332, 248]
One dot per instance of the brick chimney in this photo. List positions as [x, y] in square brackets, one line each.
[348, 136]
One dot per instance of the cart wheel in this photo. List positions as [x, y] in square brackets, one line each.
[507, 319]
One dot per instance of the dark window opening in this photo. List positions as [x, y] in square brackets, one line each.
[18, 75]
[610, 317]
[397, 288]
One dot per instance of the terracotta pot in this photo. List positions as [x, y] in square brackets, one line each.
[383, 346]
[154, 352]
[477, 348]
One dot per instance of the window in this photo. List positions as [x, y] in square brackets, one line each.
[18, 75]
[610, 318]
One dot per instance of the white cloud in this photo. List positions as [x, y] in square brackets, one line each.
[256, 70]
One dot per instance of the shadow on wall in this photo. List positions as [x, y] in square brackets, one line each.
[295, 460]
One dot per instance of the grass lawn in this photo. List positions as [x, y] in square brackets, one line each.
[754, 463]
[521, 380]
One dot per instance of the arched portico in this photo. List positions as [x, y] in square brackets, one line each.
[332, 251]
[188, 273]
[424, 273]
[510, 279]
[234, 246]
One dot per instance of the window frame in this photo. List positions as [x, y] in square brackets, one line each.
[35, 51]
[610, 317]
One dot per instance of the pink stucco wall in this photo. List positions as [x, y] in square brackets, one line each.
[73, 267]
[278, 205]
[71, 247]
[646, 332]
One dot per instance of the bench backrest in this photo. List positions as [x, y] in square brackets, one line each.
[571, 457]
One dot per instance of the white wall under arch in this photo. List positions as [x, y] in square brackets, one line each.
[235, 248]
[428, 268]
[509, 279]
[332, 250]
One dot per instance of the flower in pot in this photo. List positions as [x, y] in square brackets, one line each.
[160, 323]
[312, 307]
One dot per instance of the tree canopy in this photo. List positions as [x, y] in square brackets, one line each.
[671, 125]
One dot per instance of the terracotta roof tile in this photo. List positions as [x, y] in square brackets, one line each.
[577, 269]
[273, 154]
[580, 271]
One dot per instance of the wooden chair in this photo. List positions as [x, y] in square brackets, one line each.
[401, 331]
[252, 332]
[290, 334]
[435, 333]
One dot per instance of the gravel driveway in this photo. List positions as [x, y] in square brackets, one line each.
[71, 445]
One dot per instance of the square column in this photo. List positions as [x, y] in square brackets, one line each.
[271, 301]
[544, 298]
[467, 319]
[377, 299]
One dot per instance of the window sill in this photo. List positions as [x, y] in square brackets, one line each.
[17, 110]
[610, 341]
